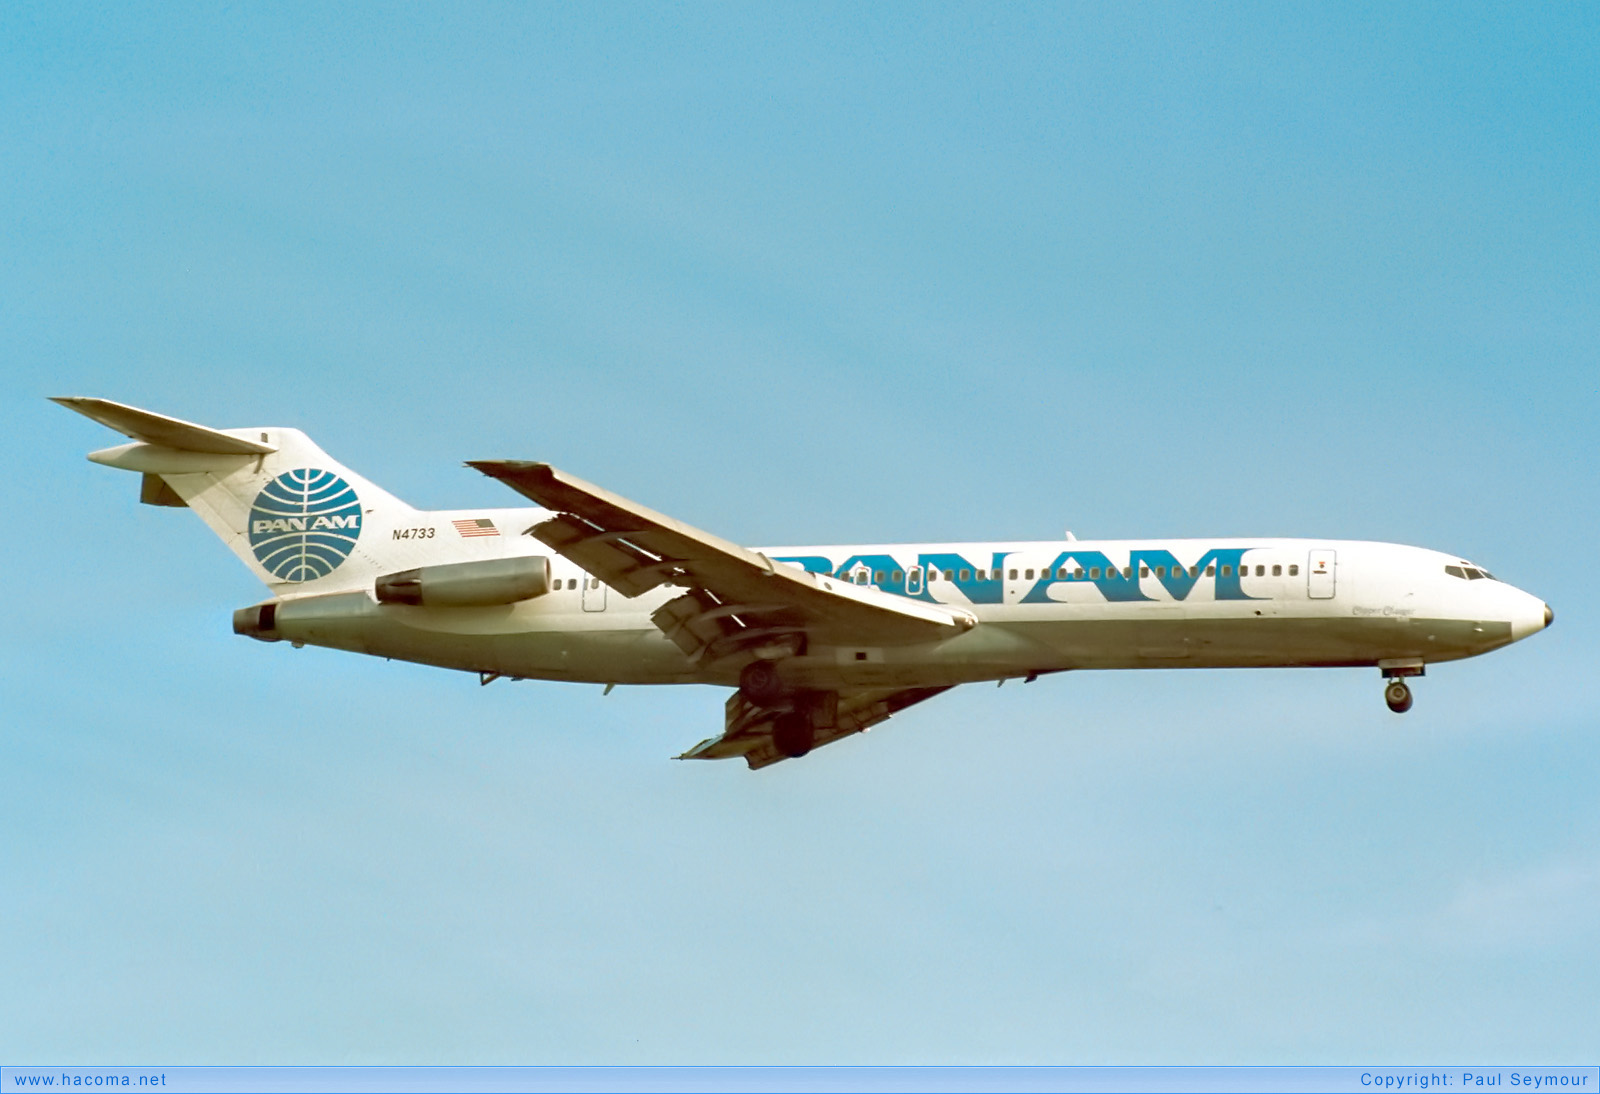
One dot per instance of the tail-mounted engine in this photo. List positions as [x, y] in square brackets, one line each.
[467, 584]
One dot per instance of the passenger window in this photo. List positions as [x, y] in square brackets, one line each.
[949, 575]
[1211, 571]
[1277, 571]
[1013, 575]
[1078, 573]
[1261, 571]
[1127, 571]
[1028, 574]
[878, 577]
[966, 575]
[1227, 571]
[1062, 573]
[1294, 571]
[1194, 571]
[1094, 573]
[897, 577]
[1144, 571]
[861, 577]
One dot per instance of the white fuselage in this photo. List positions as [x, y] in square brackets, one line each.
[1041, 607]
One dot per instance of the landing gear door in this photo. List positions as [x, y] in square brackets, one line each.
[1320, 575]
[594, 594]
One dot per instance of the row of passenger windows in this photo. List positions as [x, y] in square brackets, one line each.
[1064, 573]
[1471, 573]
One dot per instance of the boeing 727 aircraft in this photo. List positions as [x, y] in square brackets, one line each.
[818, 642]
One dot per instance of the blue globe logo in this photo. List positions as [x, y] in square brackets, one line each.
[304, 523]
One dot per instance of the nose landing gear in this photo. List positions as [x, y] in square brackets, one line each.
[1397, 693]
[1398, 696]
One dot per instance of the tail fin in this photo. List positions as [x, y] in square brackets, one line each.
[291, 513]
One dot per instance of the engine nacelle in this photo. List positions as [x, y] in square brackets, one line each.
[259, 622]
[467, 584]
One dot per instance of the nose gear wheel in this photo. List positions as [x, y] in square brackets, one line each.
[1398, 696]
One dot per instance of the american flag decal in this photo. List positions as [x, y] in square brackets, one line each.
[476, 526]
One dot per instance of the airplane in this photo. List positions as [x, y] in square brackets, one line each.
[818, 643]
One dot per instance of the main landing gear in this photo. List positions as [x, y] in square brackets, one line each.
[792, 734]
[797, 713]
[792, 731]
[1397, 693]
[761, 683]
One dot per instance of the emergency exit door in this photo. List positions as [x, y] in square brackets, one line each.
[594, 595]
[1320, 576]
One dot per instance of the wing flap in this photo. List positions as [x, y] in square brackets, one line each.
[606, 554]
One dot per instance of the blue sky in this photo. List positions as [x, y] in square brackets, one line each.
[804, 274]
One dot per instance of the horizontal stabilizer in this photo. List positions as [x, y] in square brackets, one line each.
[152, 428]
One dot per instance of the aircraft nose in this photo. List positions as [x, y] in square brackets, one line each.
[1527, 614]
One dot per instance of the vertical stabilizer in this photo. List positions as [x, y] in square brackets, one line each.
[290, 512]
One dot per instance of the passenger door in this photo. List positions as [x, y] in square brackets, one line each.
[594, 594]
[1320, 576]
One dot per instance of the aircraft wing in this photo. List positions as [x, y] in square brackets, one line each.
[736, 600]
[748, 731]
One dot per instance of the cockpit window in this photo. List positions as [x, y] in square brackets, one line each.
[1454, 571]
[1469, 573]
